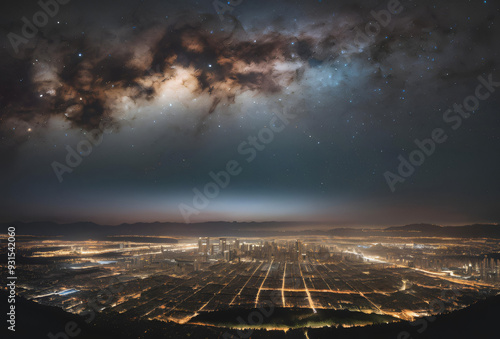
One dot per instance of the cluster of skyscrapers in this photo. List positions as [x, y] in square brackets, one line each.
[293, 250]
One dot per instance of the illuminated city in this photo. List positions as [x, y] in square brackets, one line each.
[196, 281]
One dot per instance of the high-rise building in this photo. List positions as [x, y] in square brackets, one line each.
[222, 245]
[203, 245]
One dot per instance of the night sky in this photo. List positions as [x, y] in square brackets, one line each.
[310, 105]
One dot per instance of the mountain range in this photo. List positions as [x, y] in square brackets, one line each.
[89, 230]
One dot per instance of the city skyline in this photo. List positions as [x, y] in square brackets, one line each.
[320, 283]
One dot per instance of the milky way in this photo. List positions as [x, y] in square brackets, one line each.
[181, 87]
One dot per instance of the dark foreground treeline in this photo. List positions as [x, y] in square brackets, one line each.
[35, 321]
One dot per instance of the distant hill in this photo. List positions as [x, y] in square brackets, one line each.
[89, 230]
[469, 231]
[417, 228]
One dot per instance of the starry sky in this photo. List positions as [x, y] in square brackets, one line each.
[126, 111]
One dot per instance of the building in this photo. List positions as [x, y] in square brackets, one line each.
[222, 245]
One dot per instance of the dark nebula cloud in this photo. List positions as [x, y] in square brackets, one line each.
[182, 88]
[76, 76]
